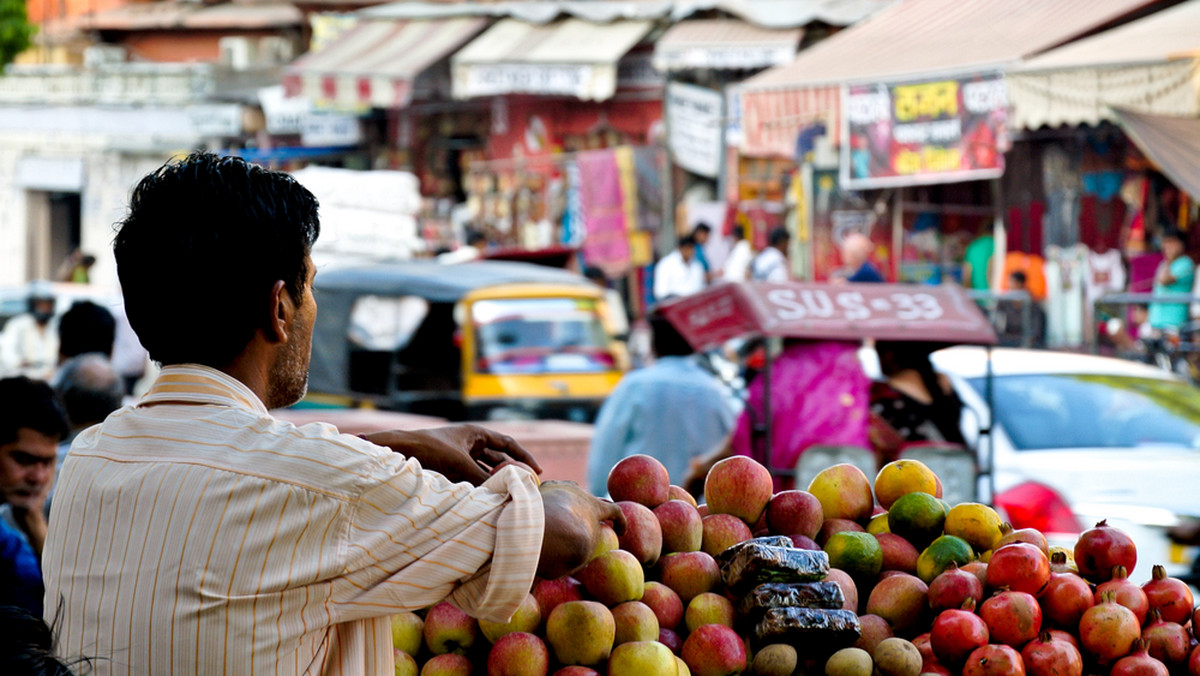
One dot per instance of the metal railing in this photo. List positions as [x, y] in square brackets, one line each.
[991, 304]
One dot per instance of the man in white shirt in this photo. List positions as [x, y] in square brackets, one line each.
[737, 265]
[679, 273]
[29, 342]
[771, 265]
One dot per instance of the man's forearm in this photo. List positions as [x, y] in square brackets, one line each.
[33, 523]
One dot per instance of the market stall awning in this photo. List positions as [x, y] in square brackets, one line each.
[911, 41]
[1172, 143]
[1149, 65]
[376, 63]
[902, 312]
[724, 44]
[563, 58]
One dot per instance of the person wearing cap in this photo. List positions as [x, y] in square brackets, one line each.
[29, 342]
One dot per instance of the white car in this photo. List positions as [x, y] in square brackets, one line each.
[1117, 440]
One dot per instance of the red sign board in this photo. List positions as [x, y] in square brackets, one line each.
[906, 312]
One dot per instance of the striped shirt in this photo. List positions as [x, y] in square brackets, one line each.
[195, 534]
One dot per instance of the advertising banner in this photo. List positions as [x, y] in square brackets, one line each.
[920, 133]
[694, 128]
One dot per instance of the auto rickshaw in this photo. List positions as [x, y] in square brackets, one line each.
[473, 341]
[774, 312]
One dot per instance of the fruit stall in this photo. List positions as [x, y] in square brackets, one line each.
[855, 576]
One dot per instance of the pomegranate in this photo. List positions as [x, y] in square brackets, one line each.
[1102, 548]
[994, 660]
[1060, 635]
[1030, 536]
[923, 647]
[1108, 629]
[1172, 597]
[1065, 598]
[1019, 567]
[1139, 663]
[1193, 665]
[1013, 618]
[1045, 656]
[1167, 642]
[956, 633]
[1126, 593]
[952, 587]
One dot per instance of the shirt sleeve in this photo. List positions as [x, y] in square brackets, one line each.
[414, 538]
[1183, 270]
[609, 437]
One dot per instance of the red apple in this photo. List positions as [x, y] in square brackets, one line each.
[721, 531]
[739, 486]
[449, 630]
[518, 654]
[708, 608]
[689, 573]
[714, 650]
[665, 603]
[795, 512]
[641, 479]
[635, 621]
[643, 535]
[550, 593]
[614, 577]
[449, 664]
[680, 493]
[682, 528]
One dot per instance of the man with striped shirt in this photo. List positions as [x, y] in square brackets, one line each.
[193, 533]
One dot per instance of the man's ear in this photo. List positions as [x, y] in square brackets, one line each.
[283, 310]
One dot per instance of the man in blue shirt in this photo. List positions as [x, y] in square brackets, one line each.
[32, 422]
[856, 254]
[673, 410]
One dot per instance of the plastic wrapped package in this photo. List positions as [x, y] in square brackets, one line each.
[755, 563]
[764, 597]
[768, 540]
[808, 628]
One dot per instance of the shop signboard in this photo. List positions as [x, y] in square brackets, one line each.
[695, 128]
[493, 79]
[919, 133]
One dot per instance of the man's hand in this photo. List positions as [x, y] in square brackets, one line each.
[30, 515]
[573, 525]
[459, 452]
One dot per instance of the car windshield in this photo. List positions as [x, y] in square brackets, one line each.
[1094, 411]
[540, 335]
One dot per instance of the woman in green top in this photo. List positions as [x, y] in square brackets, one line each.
[1174, 277]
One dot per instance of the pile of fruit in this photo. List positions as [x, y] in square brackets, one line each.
[849, 578]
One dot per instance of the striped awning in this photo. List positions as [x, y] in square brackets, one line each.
[724, 44]
[376, 63]
[568, 57]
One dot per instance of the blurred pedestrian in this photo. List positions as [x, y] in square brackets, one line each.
[475, 245]
[77, 268]
[919, 403]
[771, 264]
[615, 319]
[1173, 277]
[674, 410]
[701, 233]
[256, 545]
[32, 422]
[856, 257]
[86, 328]
[1012, 316]
[29, 342]
[737, 264]
[679, 273]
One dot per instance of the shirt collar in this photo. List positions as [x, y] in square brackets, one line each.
[196, 384]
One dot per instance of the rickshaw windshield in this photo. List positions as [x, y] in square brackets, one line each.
[540, 335]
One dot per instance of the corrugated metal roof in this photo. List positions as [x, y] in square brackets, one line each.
[178, 15]
[765, 13]
[724, 44]
[919, 38]
[1159, 37]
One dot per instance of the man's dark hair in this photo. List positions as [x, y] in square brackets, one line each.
[87, 261]
[86, 327]
[1019, 277]
[702, 227]
[90, 388]
[205, 240]
[666, 341]
[687, 240]
[32, 404]
[27, 645]
[739, 232]
[778, 236]
[1175, 234]
[475, 237]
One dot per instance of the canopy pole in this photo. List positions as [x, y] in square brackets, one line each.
[988, 431]
[897, 231]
